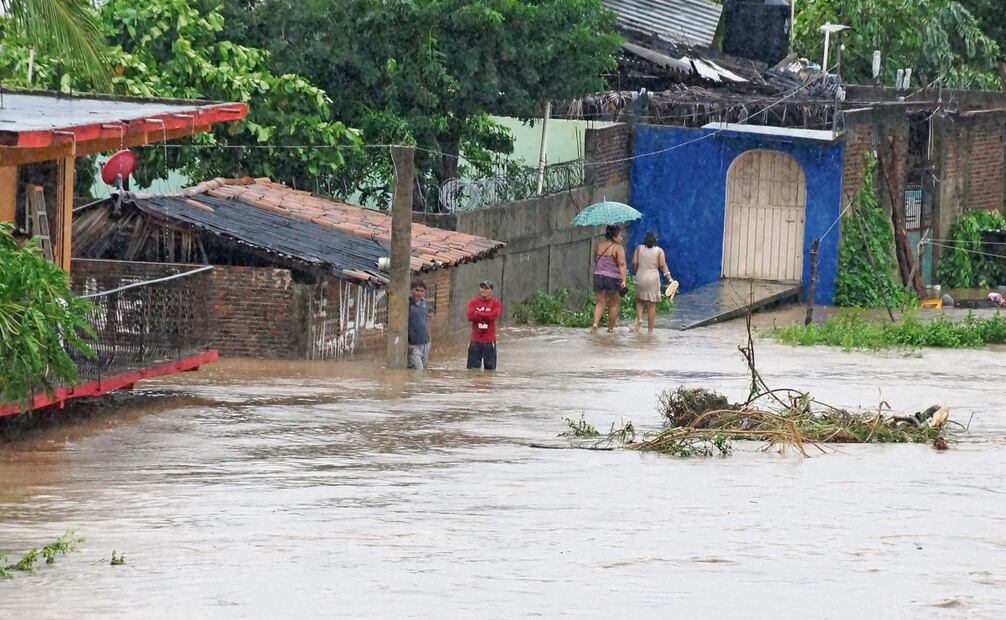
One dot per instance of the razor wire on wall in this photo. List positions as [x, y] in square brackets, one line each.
[509, 185]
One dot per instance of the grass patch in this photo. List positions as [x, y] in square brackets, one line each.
[544, 309]
[853, 331]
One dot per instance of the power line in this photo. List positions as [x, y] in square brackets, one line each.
[460, 157]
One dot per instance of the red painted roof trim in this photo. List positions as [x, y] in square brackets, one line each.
[113, 383]
[153, 124]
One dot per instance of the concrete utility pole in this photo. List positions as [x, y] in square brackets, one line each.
[542, 153]
[396, 332]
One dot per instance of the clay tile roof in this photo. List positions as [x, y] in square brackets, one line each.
[344, 239]
[432, 247]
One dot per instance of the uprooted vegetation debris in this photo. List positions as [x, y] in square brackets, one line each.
[786, 418]
[67, 543]
[701, 422]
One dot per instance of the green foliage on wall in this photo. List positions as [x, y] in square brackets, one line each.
[960, 266]
[857, 283]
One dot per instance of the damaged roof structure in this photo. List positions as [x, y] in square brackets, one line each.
[669, 73]
[690, 20]
[261, 222]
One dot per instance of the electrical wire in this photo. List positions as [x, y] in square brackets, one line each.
[959, 249]
[460, 157]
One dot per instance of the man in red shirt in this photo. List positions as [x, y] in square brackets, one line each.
[483, 312]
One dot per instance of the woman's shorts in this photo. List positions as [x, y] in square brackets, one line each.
[607, 284]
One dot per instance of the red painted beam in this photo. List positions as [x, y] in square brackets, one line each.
[110, 384]
[153, 125]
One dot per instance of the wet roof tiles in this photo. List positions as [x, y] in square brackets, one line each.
[344, 239]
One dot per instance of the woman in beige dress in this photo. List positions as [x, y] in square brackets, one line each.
[648, 262]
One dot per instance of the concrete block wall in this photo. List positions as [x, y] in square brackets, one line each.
[543, 252]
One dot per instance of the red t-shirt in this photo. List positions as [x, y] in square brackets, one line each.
[483, 314]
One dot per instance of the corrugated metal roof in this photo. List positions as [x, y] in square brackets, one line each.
[694, 21]
[317, 246]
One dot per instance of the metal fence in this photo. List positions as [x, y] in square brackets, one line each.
[142, 324]
[508, 185]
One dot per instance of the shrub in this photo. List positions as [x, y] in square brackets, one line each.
[39, 318]
[853, 331]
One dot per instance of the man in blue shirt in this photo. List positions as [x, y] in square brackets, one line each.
[419, 330]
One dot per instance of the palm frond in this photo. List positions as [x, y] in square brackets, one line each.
[67, 28]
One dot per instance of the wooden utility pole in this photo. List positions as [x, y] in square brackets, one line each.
[812, 289]
[396, 332]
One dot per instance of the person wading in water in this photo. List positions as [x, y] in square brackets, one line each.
[609, 276]
[419, 330]
[649, 263]
[483, 310]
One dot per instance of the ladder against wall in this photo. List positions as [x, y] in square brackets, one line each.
[38, 220]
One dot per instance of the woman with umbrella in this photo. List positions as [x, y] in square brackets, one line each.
[609, 276]
[609, 256]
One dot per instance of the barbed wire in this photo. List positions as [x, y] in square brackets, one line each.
[512, 183]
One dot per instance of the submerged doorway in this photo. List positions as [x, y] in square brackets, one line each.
[766, 206]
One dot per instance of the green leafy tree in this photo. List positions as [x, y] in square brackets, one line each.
[430, 71]
[172, 48]
[935, 38]
[62, 28]
[858, 284]
[991, 16]
[39, 319]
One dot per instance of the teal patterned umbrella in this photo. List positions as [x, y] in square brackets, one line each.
[606, 212]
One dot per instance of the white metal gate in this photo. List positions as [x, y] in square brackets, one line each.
[766, 208]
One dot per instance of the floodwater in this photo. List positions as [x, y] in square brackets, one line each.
[272, 490]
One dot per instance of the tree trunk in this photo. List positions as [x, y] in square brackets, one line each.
[450, 146]
[903, 250]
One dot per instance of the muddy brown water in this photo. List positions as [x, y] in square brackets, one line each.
[259, 489]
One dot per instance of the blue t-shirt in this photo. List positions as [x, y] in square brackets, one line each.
[419, 330]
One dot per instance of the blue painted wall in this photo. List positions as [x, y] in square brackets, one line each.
[682, 193]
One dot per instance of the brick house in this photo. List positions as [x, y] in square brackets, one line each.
[295, 275]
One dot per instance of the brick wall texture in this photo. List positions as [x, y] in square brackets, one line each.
[606, 153]
[973, 161]
[255, 312]
[875, 131]
[857, 144]
[265, 313]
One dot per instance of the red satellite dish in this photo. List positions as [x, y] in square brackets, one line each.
[123, 162]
